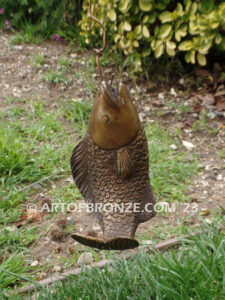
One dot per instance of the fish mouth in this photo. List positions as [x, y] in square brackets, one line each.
[111, 95]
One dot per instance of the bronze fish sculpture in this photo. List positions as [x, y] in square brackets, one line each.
[111, 166]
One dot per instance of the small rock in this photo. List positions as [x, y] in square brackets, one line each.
[208, 221]
[57, 269]
[147, 108]
[142, 116]
[219, 177]
[70, 221]
[69, 179]
[149, 242]
[34, 263]
[173, 92]
[161, 96]
[188, 145]
[40, 276]
[85, 258]
[173, 146]
[18, 47]
[11, 228]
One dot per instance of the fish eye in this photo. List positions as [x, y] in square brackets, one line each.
[106, 119]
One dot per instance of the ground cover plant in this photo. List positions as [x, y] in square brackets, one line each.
[196, 270]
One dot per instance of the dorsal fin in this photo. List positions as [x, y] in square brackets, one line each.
[79, 167]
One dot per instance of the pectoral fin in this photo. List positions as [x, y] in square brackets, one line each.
[124, 163]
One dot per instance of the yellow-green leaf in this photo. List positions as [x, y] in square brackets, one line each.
[127, 26]
[135, 44]
[177, 36]
[112, 15]
[201, 59]
[165, 31]
[145, 19]
[171, 45]
[218, 38]
[204, 47]
[146, 52]
[124, 5]
[117, 37]
[145, 5]
[165, 17]
[185, 46]
[159, 51]
[170, 52]
[145, 31]
[194, 8]
[137, 30]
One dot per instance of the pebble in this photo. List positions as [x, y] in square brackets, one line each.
[188, 145]
[173, 146]
[18, 48]
[219, 177]
[57, 269]
[34, 263]
[70, 221]
[85, 258]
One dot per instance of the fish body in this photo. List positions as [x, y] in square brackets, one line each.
[110, 167]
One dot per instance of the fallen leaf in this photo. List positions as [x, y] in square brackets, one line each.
[201, 72]
[173, 92]
[220, 93]
[205, 212]
[71, 250]
[157, 103]
[207, 99]
[30, 216]
[220, 104]
[179, 125]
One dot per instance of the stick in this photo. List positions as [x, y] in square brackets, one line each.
[98, 51]
[54, 278]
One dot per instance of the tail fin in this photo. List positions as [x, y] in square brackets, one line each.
[116, 243]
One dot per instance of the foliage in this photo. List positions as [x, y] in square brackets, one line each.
[38, 17]
[194, 271]
[145, 28]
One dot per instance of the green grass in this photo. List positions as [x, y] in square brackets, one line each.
[195, 270]
[12, 270]
[170, 169]
[36, 143]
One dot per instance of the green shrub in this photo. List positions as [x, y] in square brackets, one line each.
[46, 16]
[144, 28]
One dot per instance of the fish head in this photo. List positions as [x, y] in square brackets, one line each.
[114, 120]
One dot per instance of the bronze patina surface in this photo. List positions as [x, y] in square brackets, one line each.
[111, 166]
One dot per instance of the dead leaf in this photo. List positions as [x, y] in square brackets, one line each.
[157, 103]
[58, 249]
[207, 99]
[179, 125]
[220, 93]
[71, 250]
[204, 212]
[29, 217]
[200, 72]
[220, 104]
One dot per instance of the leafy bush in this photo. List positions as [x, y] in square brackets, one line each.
[143, 28]
[45, 16]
